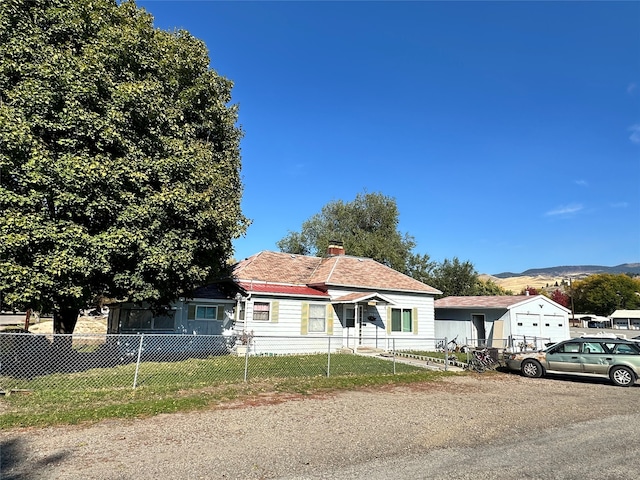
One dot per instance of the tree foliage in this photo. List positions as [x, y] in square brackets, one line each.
[119, 157]
[561, 298]
[367, 226]
[602, 294]
[529, 291]
[455, 278]
[489, 287]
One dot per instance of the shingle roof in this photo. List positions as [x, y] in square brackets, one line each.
[282, 289]
[504, 301]
[324, 273]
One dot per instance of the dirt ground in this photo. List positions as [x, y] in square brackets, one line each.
[85, 325]
[296, 436]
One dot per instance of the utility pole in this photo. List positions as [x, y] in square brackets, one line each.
[573, 319]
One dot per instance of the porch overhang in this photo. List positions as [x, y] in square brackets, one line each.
[370, 298]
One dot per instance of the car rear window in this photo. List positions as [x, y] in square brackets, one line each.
[626, 349]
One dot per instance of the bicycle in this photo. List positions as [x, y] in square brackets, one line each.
[480, 361]
[476, 365]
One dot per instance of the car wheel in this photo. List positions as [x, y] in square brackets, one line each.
[622, 376]
[531, 369]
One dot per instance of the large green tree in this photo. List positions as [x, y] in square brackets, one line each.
[367, 226]
[453, 277]
[119, 158]
[602, 294]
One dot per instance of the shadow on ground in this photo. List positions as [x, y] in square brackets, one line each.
[15, 463]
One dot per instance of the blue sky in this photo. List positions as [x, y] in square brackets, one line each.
[507, 132]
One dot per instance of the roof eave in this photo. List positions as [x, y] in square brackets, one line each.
[364, 287]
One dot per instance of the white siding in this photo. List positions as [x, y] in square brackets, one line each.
[286, 335]
[540, 317]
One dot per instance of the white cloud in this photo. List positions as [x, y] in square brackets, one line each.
[635, 133]
[582, 183]
[565, 210]
[631, 88]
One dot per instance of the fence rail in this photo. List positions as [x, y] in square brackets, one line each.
[97, 361]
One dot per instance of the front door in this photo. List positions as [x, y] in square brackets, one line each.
[478, 325]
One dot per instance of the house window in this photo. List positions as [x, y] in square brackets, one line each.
[349, 317]
[206, 313]
[137, 320]
[144, 320]
[401, 320]
[261, 311]
[317, 318]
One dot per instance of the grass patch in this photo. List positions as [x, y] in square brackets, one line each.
[462, 357]
[166, 387]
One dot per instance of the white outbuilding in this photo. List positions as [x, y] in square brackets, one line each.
[513, 322]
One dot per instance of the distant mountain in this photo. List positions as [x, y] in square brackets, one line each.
[574, 270]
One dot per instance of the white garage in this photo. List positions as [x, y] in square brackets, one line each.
[513, 322]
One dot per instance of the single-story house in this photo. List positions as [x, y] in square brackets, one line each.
[626, 319]
[519, 321]
[355, 301]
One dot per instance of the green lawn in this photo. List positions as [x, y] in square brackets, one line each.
[163, 387]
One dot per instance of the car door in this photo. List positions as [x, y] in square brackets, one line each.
[596, 358]
[566, 357]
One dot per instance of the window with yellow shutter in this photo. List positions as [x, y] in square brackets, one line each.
[317, 318]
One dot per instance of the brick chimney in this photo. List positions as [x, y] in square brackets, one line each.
[335, 248]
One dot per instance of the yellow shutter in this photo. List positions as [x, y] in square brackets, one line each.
[191, 312]
[388, 320]
[304, 323]
[275, 311]
[220, 312]
[414, 320]
[329, 319]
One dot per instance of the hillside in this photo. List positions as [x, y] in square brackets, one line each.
[574, 271]
[540, 278]
[518, 283]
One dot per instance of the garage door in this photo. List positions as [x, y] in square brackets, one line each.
[528, 324]
[554, 327]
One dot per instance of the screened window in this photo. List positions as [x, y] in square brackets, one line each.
[317, 318]
[137, 320]
[401, 320]
[206, 312]
[144, 320]
[261, 311]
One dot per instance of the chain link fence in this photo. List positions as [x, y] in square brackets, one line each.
[89, 362]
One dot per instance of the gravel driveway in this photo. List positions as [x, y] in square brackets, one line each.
[341, 435]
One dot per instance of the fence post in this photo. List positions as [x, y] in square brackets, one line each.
[246, 361]
[393, 346]
[135, 377]
[329, 357]
[446, 354]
